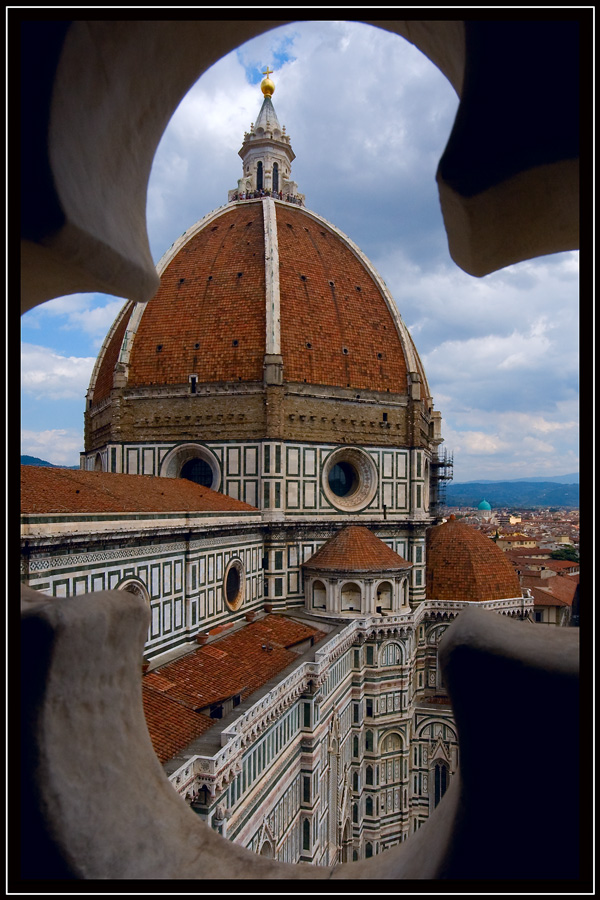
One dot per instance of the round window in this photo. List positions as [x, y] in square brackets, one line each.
[194, 462]
[349, 478]
[199, 471]
[343, 479]
[233, 584]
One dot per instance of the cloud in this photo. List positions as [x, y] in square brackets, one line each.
[59, 446]
[368, 125]
[89, 314]
[47, 375]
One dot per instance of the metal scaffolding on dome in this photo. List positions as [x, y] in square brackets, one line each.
[442, 465]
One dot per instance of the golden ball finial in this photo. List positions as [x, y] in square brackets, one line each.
[266, 85]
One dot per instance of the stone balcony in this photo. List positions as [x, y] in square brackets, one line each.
[98, 805]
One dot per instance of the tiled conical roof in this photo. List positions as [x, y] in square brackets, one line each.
[464, 564]
[356, 549]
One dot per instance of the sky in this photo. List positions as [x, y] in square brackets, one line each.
[368, 116]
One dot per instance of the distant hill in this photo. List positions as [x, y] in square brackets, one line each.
[35, 461]
[513, 493]
[573, 478]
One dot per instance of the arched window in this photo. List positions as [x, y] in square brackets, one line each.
[267, 850]
[355, 813]
[306, 835]
[319, 595]
[385, 593]
[391, 654]
[369, 740]
[369, 806]
[369, 775]
[355, 781]
[441, 779]
[355, 746]
[369, 850]
[275, 177]
[259, 176]
[351, 597]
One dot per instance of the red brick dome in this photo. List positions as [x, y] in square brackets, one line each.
[335, 325]
[464, 564]
[356, 549]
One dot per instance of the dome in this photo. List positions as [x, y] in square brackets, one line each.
[484, 505]
[464, 564]
[269, 327]
[261, 292]
[209, 316]
[356, 549]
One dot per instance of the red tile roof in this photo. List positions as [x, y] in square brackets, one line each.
[463, 564]
[171, 725]
[235, 664]
[336, 328]
[521, 555]
[47, 490]
[208, 316]
[557, 590]
[562, 566]
[106, 370]
[356, 549]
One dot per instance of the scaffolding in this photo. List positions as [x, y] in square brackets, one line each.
[442, 464]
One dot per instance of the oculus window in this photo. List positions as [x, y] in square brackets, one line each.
[233, 584]
[349, 478]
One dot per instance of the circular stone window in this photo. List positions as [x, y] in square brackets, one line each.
[194, 462]
[198, 471]
[349, 478]
[233, 584]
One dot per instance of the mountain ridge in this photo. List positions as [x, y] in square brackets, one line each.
[511, 493]
[572, 478]
[36, 461]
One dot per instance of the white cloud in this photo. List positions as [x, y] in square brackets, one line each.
[368, 125]
[48, 375]
[90, 314]
[60, 446]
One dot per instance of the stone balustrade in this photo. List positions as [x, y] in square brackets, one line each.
[97, 803]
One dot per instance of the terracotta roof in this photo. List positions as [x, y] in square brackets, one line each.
[208, 316]
[171, 725]
[212, 294]
[235, 664]
[54, 490]
[356, 549]
[463, 564]
[560, 565]
[528, 553]
[330, 301]
[557, 589]
[110, 357]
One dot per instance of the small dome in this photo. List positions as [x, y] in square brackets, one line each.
[464, 564]
[356, 549]
[484, 505]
